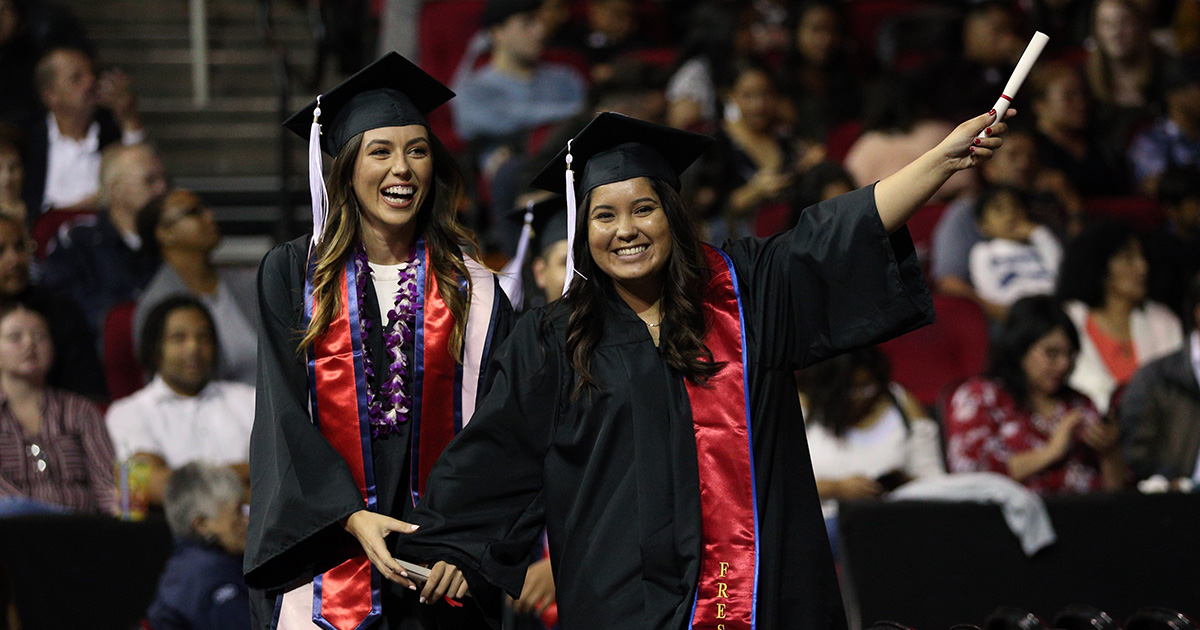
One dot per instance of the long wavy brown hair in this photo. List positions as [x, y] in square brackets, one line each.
[681, 340]
[437, 223]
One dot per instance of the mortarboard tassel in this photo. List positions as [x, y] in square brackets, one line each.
[571, 212]
[316, 179]
[511, 279]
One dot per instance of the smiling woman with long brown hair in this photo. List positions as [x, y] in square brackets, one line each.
[373, 334]
[649, 418]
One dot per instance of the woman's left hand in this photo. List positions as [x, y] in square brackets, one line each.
[538, 592]
[445, 580]
[1102, 437]
[963, 149]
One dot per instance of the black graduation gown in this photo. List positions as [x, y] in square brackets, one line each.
[301, 488]
[615, 474]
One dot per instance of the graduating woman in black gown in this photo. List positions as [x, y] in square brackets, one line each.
[649, 418]
[373, 335]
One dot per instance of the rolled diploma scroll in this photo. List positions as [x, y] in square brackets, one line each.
[1028, 58]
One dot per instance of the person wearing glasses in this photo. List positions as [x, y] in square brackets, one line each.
[180, 229]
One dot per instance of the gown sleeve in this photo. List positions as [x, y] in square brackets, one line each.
[300, 487]
[835, 282]
[482, 510]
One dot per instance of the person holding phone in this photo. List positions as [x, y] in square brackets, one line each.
[1023, 419]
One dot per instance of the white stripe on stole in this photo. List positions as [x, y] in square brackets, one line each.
[296, 613]
[479, 320]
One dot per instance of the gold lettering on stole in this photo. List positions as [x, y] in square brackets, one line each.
[722, 590]
[724, 568]
[720, 611]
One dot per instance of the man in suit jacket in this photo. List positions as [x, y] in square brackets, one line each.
[84, 114]
[1160, 409]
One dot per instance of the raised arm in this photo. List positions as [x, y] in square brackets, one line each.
[899, 195]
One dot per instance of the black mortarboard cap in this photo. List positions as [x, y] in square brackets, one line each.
[392, 92]
[497, 11]
[614, 147]
[549, 222]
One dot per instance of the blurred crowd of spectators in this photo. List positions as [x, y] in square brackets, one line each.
[1077, 246]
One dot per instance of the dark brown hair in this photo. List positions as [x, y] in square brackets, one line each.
[437, 223]
[681, 341]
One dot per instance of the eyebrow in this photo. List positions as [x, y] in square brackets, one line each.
[380, 141]
[632, 203]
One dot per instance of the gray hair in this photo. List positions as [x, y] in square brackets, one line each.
[199, 489]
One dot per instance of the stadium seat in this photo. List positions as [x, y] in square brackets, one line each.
[1142, 212]
[952, 348]
[48, 225]
[122, 373]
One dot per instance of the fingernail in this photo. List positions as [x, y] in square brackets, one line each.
[416, 527]
[972, 149]
[423, 601]
[992, 113]
[403, 573]
[412, 587]
[988, 131]
[978, 141]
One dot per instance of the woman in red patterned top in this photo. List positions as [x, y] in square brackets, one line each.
[1021, 418]
[54, 448]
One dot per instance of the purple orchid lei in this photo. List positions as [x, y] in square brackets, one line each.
[390, 405]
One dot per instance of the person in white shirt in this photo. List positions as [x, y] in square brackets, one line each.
[85, 114]
[1017, 257]
[182, 415]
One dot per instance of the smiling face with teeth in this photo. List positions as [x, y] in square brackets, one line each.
[392, 179]
[629, 237]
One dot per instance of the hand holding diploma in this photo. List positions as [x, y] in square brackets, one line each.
[1024, 65]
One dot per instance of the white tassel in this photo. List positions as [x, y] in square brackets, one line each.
[316, 179]
[511, 279]
[571, 212]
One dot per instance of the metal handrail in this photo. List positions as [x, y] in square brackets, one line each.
[286, 228]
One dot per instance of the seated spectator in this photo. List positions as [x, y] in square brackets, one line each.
[515, 92]
[1017, 257]
[752, 168]
[1174, 249]
[76, 367]
[18, 100]
[991, 46]
[12, 175]
[1102, 281]
[865, 433]
[183, 415]
[823, 182]
[1160, 409]
[1173, 139]
[900, 125]
[1068, 141]
[54, 450]
[1051, 198]
[1022, 418]
[201, 587]
[85, 115]
[99, 260]
[612, 30]
[718, 34]
[822, 90]
[180, 230]
[1122, 63]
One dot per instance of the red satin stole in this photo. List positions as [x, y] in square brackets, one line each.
[728, 580]
[347, 596]
[439, 390]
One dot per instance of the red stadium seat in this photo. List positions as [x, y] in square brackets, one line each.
[921, 227]
[122, 372]
[840, 138]
[445, 28]
[864, 17]
[47, 225]
[952, 348]
[1142, 212]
